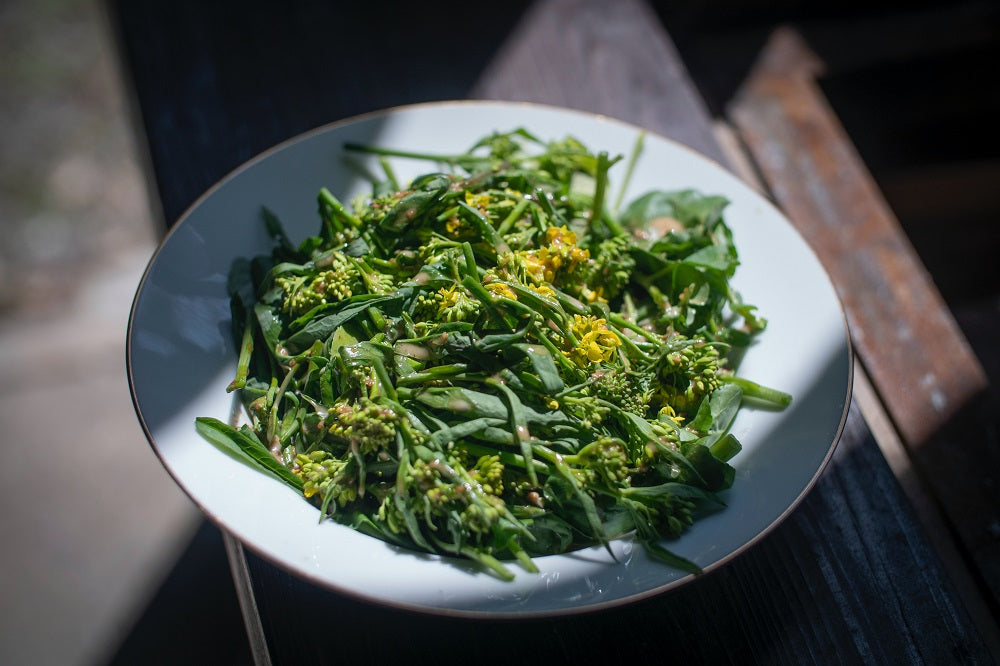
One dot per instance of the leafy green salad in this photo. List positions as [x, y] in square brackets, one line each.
[498, 360]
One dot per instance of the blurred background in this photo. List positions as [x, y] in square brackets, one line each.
[103, 558]
[91, 524]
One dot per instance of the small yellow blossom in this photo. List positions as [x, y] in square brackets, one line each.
[593, 295]
[543, 290]
[596, 342]
[480, 201]
[559, 257]
[501, 289]
[456, 305]
[669, 412]
[449, 297]
[560, 236]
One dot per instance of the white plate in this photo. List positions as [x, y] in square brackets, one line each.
[180, 359]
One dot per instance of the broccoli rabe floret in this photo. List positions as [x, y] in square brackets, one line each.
[341, 278]
[687, 371]
[445, 495]
[602, 462]
[594, 343]
[364, 425]
[565, 158]
[557, 261]
[607, 272]
[666, 514]
[488, 472]
[674, 514]
[375, 282]
[631, 392]
[587, 408]
[450, 304]
[324, 475]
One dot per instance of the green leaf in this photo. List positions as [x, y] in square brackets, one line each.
[276, 230]
[551, 535]
[724, 404]
[717, 410]
[270, 325]
[659, 552]
[243, 445]
[686, 206]
[713, 256]
[671, 488]
[715, 474]
[323, 327]
[541, 362]
[409, 208]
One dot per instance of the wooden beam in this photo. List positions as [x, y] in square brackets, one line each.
[919, 361]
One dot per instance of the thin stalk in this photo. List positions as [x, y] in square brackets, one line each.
[757, 391]
[272, 417]
[246, 351]
[629, 169]
[513, 217]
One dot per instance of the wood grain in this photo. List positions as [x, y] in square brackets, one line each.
[917, 357]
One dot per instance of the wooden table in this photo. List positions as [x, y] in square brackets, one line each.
[850, 576]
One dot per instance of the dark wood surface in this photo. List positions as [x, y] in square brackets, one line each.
[926, 373]
[914, 351]
[849, 577]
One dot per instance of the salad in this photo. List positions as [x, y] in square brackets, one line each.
[498, 360]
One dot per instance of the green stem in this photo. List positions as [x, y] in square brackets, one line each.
[272, 417]
[390, 152]
[629, 169]
[337, 209]
[389, 174]
[757, 391]
[246, 351]
[453, 370]
[518, 425]
[513, 217]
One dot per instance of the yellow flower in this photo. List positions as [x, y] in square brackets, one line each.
[596, 342]
[456, 305]
[449, 297]
[560, 236]
[501, 289]
[669, 412]
[559, 257]
[592, 295]
[543, 290]
[536, 265]
[480, 201]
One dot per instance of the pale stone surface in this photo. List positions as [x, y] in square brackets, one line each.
[90, 520]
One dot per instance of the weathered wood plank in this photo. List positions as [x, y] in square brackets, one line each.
[952, 499]
[918, 359]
